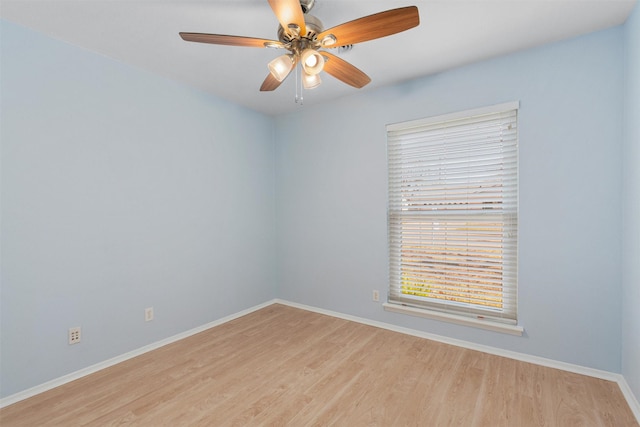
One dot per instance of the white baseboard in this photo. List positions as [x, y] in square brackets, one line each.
[537, 360]
[14, 398]
[631, 398]
[569, 367]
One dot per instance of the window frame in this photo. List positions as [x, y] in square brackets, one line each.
[399, 300]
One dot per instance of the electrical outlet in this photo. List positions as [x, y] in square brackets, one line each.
[148, 314]
[74, 335]
[376, 295]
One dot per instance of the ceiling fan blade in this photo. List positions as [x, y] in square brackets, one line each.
[289, 12]
[373, 26]
[270, 83]
[342, 70]
[230, 40]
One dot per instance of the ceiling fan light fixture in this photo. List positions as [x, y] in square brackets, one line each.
[312, 61]
[303, 36]
[281, 66]
[311, 81]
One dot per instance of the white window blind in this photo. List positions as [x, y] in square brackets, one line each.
[453, 213]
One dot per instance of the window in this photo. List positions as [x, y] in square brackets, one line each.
[453, 216]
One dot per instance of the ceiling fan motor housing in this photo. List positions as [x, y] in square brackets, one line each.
[314, 27]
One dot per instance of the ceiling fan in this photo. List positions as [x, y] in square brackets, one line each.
[305, 39]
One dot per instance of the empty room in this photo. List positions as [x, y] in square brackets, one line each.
[320, 212]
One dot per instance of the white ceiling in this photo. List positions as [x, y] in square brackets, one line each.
[451, 33]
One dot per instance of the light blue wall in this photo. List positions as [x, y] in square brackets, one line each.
[121, 190]
[332, 183]
[631, 207]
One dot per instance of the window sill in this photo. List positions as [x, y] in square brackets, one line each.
[452, 318]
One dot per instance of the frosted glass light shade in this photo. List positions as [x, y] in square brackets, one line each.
[311, 81]
[312, 61]
[281, 67]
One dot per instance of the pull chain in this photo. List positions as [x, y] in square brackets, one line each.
[299, 97]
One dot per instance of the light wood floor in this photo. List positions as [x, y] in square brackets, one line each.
[281, 366]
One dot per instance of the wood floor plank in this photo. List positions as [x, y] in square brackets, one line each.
[281, 366]
[500, 396]
[427, 401]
